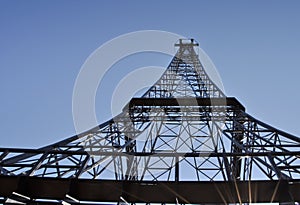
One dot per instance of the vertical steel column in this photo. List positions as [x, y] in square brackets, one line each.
[237, 134]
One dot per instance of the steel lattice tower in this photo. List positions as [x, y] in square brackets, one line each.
[182, 142]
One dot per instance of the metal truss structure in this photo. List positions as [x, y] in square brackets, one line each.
[182, 142]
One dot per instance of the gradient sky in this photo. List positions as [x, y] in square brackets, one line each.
[255, 46]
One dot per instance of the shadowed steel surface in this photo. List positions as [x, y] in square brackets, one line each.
[183, 140]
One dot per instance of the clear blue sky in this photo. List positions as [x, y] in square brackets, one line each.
[255, 46]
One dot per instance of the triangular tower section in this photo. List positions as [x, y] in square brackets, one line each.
[185, 76]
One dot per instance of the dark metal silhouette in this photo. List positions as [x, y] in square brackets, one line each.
[183, 141]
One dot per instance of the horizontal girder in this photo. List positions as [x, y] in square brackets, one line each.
[148, 191]
[228, 102]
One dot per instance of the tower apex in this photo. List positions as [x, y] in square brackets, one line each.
[186, 42]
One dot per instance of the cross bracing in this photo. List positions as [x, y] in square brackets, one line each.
[182, 134]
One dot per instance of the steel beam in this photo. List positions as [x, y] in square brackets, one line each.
[152, 192]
